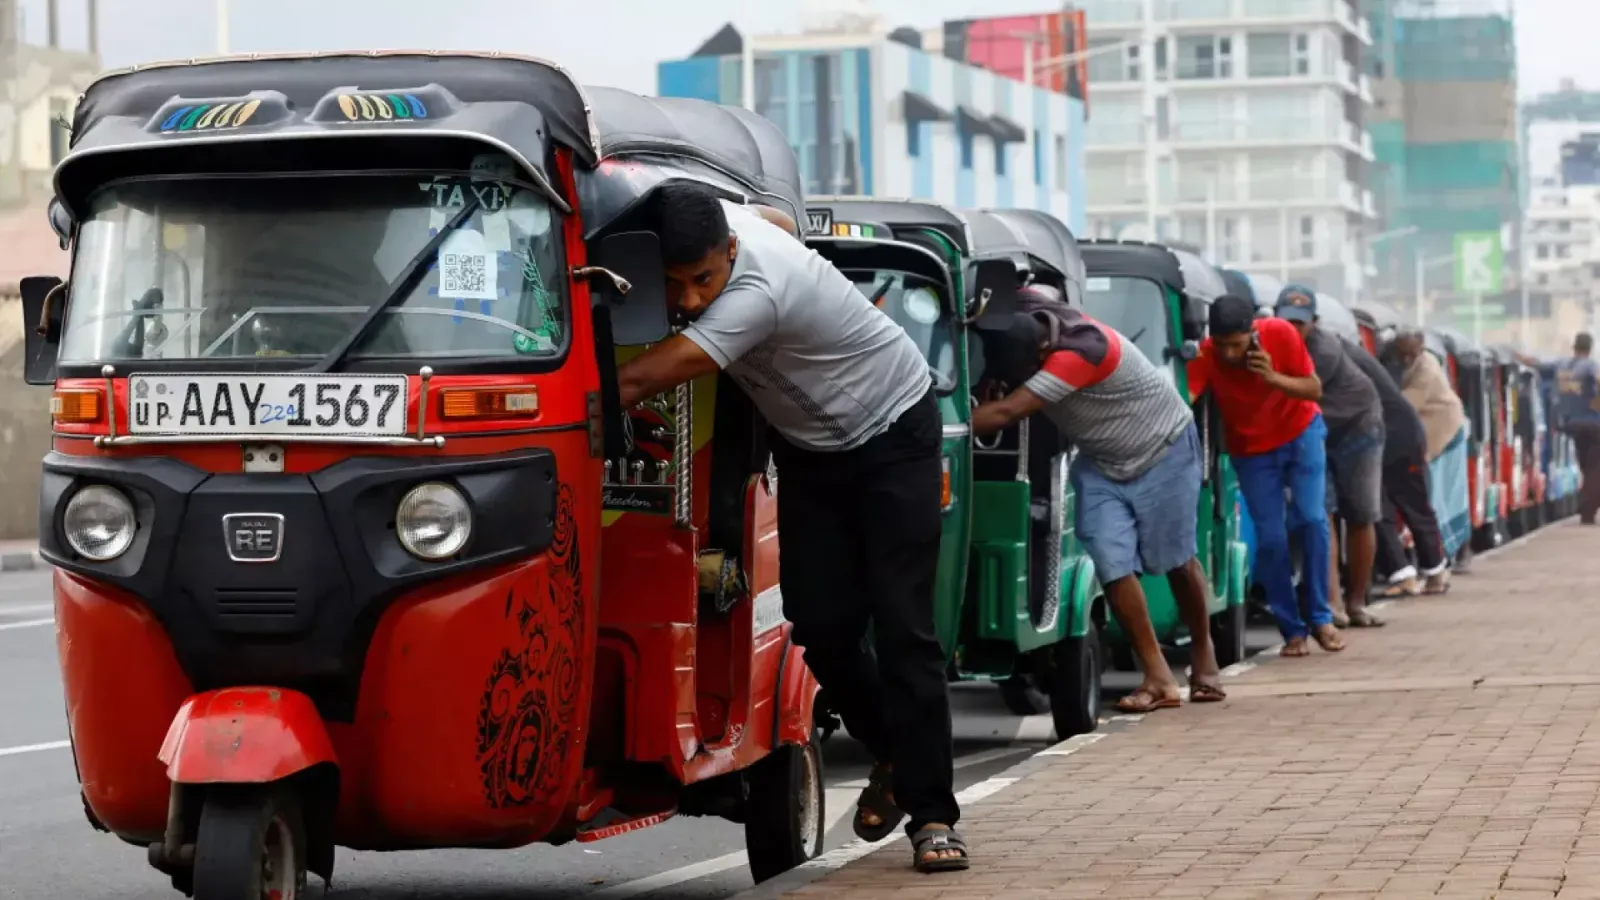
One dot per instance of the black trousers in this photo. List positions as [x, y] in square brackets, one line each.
[1405, 490]
[1586, 435]
[860, 531]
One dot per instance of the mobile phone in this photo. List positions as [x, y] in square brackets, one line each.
[1255, 341]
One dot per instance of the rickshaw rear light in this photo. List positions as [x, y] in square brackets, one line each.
[99, 523]
[945, 498]
[489, 403]
[433, 521]
[75, 407]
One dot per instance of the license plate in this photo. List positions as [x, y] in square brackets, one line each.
[819, 221]
[319, 405]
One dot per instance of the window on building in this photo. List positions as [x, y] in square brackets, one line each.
[1268, 55]
[965, 138]
[1106, 65]
[1563, 251]
[60, 134]
[1542, 251]
[1224, 57]
[1228, 239]
[1001, 151]
[1564, 226]
[1302, 54]
[1061, 162]
[1308, 237]
[1038, 156]
[1131, 63]
[1162, 67]
[913, 139]
[1205, 56]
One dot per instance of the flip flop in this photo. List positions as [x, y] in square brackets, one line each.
[1295, 649]
[1395, 592]
[1363, 619]
[1152, 702]
[1330, 642]
[930, 840]
[1204, 692]
[875, 799]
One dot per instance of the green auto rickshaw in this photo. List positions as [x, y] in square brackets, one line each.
[1160, 298]
[1017, 601]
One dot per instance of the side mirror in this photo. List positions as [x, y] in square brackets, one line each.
[1196, 313]
[994, 295]
[61, 223]
[634, 288]
[44, 304]
[1189, 350]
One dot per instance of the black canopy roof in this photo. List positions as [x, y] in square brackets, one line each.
[1376, 315]
[1239, 284]
[1038, 234]
[735, 143]
[896, 214]
[520, 105]
[1333, 315]
[1137, 259]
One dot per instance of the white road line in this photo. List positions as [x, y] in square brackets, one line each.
[1073, 745]
[962, 762]
[673, 877]
[28, 609]
[26, 623]
[34, 748]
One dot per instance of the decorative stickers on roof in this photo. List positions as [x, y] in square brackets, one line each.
[181, 115]
[349, 105]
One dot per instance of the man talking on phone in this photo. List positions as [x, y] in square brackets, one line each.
[1266, 388]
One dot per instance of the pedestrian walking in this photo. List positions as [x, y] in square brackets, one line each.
[1578, 383]
[1266, 389]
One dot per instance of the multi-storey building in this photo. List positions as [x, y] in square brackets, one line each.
[1237, 125]
[869, 111]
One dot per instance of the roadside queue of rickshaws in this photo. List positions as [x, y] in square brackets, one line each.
[356, 546]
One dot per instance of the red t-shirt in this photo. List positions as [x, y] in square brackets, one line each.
[1257, 419]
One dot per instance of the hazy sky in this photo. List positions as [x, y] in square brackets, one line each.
[618, 42]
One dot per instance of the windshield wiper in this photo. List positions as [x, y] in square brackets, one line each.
[410, 276]
[1138, 334]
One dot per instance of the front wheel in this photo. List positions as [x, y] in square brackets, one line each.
[1227, 635]
[784, 815]
[1077, 666]
[250, 846]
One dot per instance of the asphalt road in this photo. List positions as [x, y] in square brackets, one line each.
[47, 849]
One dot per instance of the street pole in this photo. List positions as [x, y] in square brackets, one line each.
[1422, 277]
[1477, 318]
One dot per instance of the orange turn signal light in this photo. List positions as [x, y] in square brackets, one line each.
[944, 484]
[489, 403]
[75, 407]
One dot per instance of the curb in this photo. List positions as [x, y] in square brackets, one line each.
[20, 560]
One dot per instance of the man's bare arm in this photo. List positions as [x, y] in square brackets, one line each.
[661, 368]
[997, 414]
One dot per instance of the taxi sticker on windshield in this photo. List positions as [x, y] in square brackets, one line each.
[1098, 284]
[468, 269]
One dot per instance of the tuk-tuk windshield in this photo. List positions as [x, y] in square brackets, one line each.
[915, 303]
[286, 266]
[1137, 307]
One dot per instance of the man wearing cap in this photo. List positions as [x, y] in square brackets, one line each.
[1578, 385]
[1354, 413]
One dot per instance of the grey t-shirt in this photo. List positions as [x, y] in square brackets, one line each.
[825, 367]
[1350, 402]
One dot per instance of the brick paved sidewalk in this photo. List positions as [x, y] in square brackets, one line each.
[1455, 753]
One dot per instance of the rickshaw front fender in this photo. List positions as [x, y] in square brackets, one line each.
[1081, 587]
[1238, 572]
[245, 735]
[797, 691]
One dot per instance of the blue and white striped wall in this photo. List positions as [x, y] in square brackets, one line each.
[874, 76]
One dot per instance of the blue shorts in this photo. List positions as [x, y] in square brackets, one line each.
[1146, 525]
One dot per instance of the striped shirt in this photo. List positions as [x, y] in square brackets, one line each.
[1108, 400]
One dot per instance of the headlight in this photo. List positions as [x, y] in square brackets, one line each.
[99, 523]
[434, 521]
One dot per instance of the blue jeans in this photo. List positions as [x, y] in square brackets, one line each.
[1298, 469]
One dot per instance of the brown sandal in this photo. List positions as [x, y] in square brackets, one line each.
[1144, 700]
[1295, 648]
[1328, 638]
[1205, 692]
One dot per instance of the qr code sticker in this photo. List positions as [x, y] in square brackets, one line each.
[463, 273]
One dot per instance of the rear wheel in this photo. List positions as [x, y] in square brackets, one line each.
[1227, 635]
[250, 846]
[784, 814]
[1022, 696]
[1077, 666]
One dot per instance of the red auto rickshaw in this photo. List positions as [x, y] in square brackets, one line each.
[354, 544]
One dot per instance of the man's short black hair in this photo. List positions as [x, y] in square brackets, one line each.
[1583, 343]
[1231, 314]
[691, 222]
